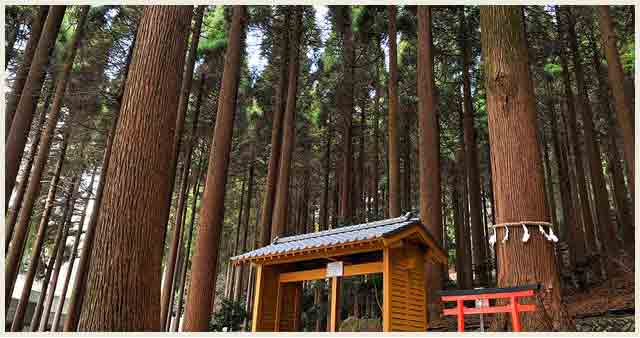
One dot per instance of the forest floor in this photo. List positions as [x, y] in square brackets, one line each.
[608, 306]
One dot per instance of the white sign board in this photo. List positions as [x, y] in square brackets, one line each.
[334, 269]
[482, 303]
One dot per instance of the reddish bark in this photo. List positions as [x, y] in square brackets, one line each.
[429, 154]
[36, 251]
[17, 135]
[183, 103]
[134, 201]
[78, 291]
[16, 248]
[269, 198]
[23, 70]
[622, 103]
[393, 152]
[281, 206]
[518, 177]
[205, 259]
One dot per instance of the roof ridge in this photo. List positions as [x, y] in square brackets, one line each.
[346, 229]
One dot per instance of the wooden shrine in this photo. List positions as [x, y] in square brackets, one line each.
[398, 248]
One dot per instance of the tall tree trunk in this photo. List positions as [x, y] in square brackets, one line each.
[572, 133]
[515, 161]
[17, 135]
[34, 261]
[406, 159]
[464, 273]
[16, 248]
[346, 111]
[185, 91]
[59, 248]
[185, 264]
[624, 111]
[37, 312]
[174, 277]
[203, 276]
[376, 134]
[359, 188]
[620, 192]
[182, 202]
[80, 281]
[429, 153]
[279, 221]
[606, 231]
[23, 70]
[324, 209]
[12, 213]
[229, 288]
[72, 257]
[394, 155]
[183, 103]
[243, 246]
[548, 178]
[471, 160]
[573, 228]
[269, 198]
[134, 202]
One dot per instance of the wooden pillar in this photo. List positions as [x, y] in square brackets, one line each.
[255, 318]
[386, 290]
[279, 296]
[265, 297]
[296, 307]
[335, 305]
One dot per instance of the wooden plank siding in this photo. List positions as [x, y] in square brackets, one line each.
[404, 294]
[265, 301]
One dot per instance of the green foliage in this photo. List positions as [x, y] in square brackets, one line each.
[353, 324]
[230, 315]
[628, 58]
[552, 69]
[214, 32]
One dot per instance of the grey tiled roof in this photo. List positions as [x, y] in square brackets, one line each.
[332, 237]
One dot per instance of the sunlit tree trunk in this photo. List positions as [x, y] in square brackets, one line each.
[79, 282]
[269, 198]
[16, 137]
[72, 257]
[12, 213]
[175, 324]
[16, 248]
[58, 250]
[185, 92]
[36, 251]
[23, 70]
[394, 155]
[281, 206]
[131, 212]
[205, 259]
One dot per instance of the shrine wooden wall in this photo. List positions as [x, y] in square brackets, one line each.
[404, 294]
